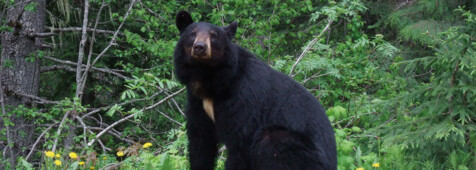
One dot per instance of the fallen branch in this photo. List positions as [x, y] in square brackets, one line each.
[132, 115]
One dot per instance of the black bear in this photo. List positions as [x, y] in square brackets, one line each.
[265, 119]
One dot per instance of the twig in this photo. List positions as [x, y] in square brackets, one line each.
[41, 34]
[104, 148]
[163, 114]
[85, 128]
[56, 67]
[4, 113]
[309, 46]
[113, 131]
[222, 149]
[120, 104]
[178, 107]
[38, 140]
[315, 76]
[4, 9]
[82, 43]
[90, 128]
[154, 13]
[79, 29]
[60, 127]
[132, 115]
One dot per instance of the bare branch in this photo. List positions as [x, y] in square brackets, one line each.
[309, 46]
[41, 34]
[82, 80]
[91, 44]
[315, 76]
[113, 131]
[56, 67]
[104, 70]
[82, 43]
[70, 29]
[176, 105]
[132, 115]
[104, 148]
[38, 140]
[38, 99]
[163, 114]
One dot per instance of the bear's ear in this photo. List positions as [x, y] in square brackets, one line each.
[231, 29]
[183, 20]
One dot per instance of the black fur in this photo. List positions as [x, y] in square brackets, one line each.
[265, 118]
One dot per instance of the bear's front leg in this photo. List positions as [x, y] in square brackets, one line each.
[201, 132]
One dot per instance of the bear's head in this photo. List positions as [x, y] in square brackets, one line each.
[203, 43]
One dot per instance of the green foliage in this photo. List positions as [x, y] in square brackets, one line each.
[31, 6]
[397, 78]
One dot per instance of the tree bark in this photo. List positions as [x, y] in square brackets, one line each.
[20, 74]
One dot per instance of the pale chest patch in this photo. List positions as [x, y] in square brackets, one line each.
[197, 90]
[208, 107]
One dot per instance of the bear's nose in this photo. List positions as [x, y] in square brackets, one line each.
[199, 48]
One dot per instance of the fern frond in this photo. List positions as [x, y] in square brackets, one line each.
[424, 31]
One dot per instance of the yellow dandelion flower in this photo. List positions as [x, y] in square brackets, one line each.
[146, 145]
[57, 162]
[73, 155]
[104, 158]
[91, 167]
[360, 168]
[50, 154]
[58, 155]
[81, 163]
[376, 165]
[120, 153]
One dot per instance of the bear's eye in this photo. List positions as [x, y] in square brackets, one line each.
[213, 34]
[193, 33]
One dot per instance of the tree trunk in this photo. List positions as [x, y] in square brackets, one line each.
[20, 70]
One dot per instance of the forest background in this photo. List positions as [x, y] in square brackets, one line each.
[90, 84]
